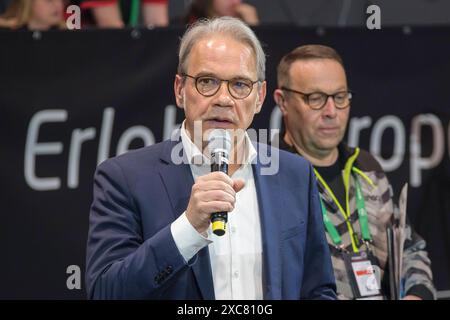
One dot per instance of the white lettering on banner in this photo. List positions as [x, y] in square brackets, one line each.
[105, 135]
[33, 149]
[399, 142]
[78, 137]
[74, 280]
[356, 125]
[417, 162]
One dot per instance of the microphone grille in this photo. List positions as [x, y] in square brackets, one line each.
[219, 140]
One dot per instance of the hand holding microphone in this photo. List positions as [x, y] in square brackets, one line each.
[214, 195]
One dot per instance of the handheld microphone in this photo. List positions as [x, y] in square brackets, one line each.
[219, 145]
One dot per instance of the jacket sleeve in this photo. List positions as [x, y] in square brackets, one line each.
[416, 267]
[318, 277]
[119, 263]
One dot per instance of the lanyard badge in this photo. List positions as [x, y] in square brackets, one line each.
[364, 275]
[362, 266]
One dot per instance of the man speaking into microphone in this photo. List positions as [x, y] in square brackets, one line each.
[165, 229]
[219, 144]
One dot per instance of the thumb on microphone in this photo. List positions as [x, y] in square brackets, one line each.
[238, 185]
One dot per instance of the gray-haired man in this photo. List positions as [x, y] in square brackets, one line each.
[150, 231]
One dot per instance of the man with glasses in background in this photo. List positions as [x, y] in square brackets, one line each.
[151, 235]
[356, 201]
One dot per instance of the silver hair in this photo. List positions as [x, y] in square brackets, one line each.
[232, 27]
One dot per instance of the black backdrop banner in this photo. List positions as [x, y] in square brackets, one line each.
[69, 100]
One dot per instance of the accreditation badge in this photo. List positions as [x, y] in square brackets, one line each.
[364, 275]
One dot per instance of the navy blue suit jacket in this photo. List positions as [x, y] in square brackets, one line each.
[131, 253]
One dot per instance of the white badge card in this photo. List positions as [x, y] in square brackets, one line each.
[364, 275]
[366, 278]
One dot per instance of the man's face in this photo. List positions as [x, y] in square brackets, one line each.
[224, 58]
[315, 131]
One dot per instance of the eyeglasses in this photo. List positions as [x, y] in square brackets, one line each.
[239, 88]
[317, 100]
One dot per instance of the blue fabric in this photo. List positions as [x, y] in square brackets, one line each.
[131, 253]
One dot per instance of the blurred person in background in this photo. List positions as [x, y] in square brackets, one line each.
[356, 201]
[35, 15]
[219, 8]
[120, 13]
[3, 5]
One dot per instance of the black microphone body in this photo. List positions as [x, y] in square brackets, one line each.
[219, 219]
[219, 144]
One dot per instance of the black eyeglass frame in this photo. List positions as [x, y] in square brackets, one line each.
[228, 81]
[307, 95]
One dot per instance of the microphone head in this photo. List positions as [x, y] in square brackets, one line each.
[219, 140]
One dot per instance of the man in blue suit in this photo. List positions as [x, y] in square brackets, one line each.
[150, 233]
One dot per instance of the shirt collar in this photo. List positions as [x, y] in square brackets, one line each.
[195, 156]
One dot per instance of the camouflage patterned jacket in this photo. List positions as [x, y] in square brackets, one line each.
[416, 271]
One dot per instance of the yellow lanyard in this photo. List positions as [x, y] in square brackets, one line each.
[345, 213]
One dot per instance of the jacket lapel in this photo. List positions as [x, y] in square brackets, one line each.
[269, 200]
[178, 181]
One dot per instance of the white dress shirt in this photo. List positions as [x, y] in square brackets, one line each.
[236, 257]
